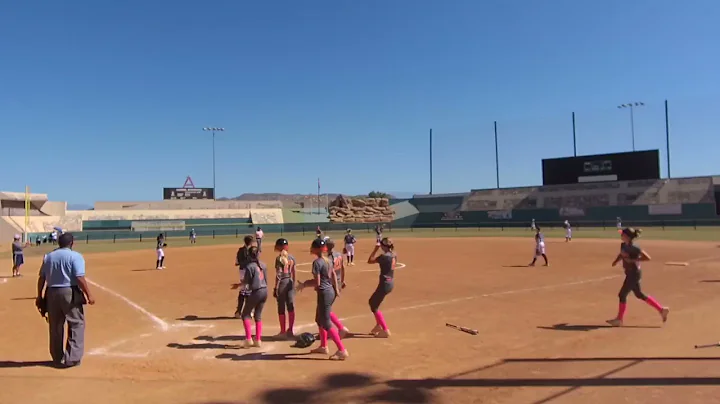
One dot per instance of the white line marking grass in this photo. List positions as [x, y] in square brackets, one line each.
[155, 319]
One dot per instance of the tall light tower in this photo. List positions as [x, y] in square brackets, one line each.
[631, 106]
[213, 130]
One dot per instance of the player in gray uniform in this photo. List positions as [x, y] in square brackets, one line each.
[255, 282]
[284, 290]
[18, 255]
[338, 266]
[631, 255]
[242, 258]
[326, 285]
[378, 234]
[386, 261]
[193, 236]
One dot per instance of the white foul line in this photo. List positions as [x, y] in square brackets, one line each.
[155, 319]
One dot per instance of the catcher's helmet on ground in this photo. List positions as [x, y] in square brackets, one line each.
[281, 243]
[304, 340]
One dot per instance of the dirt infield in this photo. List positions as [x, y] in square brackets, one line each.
[167, 336]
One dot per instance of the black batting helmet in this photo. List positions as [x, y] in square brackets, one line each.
[318, 243]
[281, 243]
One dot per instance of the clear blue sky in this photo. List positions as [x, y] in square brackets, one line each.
[117, 91]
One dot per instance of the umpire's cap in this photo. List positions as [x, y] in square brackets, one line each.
[319, 244]
[281, 243]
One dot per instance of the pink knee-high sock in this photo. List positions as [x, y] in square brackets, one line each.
[621, 310]
[654, 303]
[282, 323]
[291, 320]
[248, 329]
[381, 320]
[258, 330]
[335, 320]
[335, 336]
[323, 337]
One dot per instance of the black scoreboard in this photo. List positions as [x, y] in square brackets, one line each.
[188, 193]
[638, 165]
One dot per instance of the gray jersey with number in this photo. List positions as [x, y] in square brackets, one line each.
[321, 269]
[255, 276]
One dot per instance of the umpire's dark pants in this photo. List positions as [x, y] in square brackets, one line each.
[63, 308]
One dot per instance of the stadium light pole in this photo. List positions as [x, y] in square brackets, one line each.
[631, 106]
[213, 130]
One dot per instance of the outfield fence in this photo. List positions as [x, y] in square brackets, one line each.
[240, 230]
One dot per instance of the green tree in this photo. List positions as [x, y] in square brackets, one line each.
[377, 194]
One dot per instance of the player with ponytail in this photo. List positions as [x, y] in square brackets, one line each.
[631, 255]
[284, 290]
[386, 261]
[326, 284]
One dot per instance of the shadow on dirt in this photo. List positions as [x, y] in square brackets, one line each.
[589, 327]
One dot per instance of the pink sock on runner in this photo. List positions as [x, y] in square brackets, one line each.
[380, 320]
[282, 323]
[335, 336]
[621, 310]
[323, 334]
[258, 330]
[248, 329]
[335, 320]
[291, 321]
[654, 303]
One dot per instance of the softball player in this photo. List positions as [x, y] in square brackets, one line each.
[259, 237]
[284, 290]
[193, 236]
[631, 255]
[539, 248]
[619, 223]
[350, 241]
[386, 261]
[378, 234]
[326, 284]
[568, 231]
[532, 225]
[338, 267]
[242, 258]
[255, 282]
[318, 232]
[18, 255]
[161, 244]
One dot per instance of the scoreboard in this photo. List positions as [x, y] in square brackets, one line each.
[638, 165]
[188, 193]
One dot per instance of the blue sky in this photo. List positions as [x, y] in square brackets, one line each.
[116, 93]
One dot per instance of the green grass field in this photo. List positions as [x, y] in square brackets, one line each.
[652, 233]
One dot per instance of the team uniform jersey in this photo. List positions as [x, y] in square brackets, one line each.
[159, 247]
[242, 260]
[539, 244]
[378, 235]
[321, 269]
[283, 272]
[387, 266]
[628, 253]
[255, 276]
[336, 260]
[350, 244]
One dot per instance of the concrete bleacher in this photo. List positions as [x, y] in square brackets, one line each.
[188, 204]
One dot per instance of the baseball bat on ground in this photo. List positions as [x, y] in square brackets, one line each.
[717, 344]
[463, 329]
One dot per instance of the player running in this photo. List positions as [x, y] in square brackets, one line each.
[631, 255]
[386, 261]
[539, 248]
[349, 249]
[326, 284]
[255, 282]
[284, 290]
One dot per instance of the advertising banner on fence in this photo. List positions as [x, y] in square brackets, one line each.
[669, 209]
[452, 216]
[500, 214]
[572, 212]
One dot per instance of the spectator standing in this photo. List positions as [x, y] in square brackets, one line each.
[62, 277]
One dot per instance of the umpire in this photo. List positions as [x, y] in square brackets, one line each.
[63, 272]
